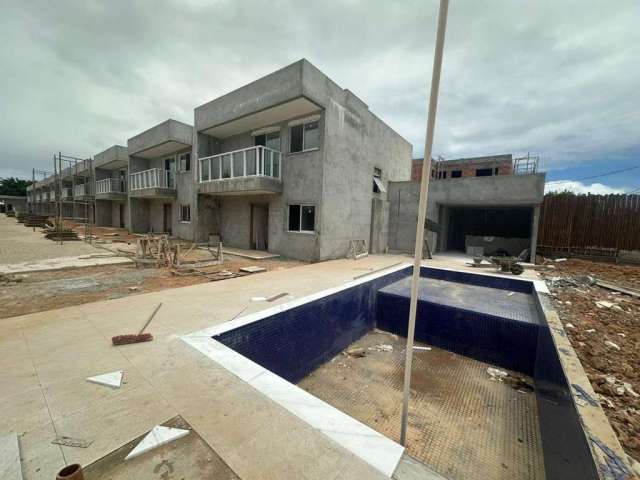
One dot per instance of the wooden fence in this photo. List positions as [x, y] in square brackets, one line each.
[589, 225]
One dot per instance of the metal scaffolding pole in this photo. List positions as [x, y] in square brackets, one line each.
[422, 210]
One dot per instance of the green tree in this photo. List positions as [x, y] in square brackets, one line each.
[14, 186]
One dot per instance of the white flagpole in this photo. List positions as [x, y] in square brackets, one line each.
[422, 210]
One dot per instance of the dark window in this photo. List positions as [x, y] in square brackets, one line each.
[311, 135]
[273, 141]
[294, 218]
[185, 162]
[308, 218]
[185, 213]
[377, 179]
[302, 218]
[456, 173]
[483, 172]
[296, 138]
[496, 170]
[261, 140]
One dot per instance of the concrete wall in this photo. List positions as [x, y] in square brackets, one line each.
[276, 88]
[167, 131]
[148, 214]
[497, 191]
[301, 184]
[356, 141]
[337, 178]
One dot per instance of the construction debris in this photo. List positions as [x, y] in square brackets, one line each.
[32, 219]
[383, 347]
[609, 359]
[111, 379]
[157, 437]
[71, 441]
[276, 297]
[253, 269]
[609, 343]
[156, 249]
[616, 288]
[357, 249]
[604, 304]
[355, 352]
[497, 374]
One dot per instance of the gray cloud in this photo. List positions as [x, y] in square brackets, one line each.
[555, 78]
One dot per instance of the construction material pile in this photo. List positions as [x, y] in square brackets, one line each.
[11, 213]
[599, 305]
[33, 220]
[59, 232]
[156, 250]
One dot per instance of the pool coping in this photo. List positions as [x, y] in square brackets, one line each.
[372, 447]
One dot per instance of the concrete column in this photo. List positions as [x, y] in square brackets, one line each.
[534, 232]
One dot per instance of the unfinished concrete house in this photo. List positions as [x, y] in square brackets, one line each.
[110, 173]
[295, 164]
[482, 205]
[160, 180]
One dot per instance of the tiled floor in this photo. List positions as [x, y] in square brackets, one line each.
[462, 423]
[47, 357]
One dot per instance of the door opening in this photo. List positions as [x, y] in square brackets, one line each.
[121, 215]
[259, 226]
[167, 218]
[170, 169]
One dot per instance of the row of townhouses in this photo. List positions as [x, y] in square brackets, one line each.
[294, 164]
[291, 163]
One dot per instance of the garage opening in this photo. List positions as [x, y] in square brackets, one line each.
[489, 230]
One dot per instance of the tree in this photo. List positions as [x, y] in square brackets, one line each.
[14, 186]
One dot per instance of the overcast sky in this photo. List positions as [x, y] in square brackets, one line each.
[557, 78]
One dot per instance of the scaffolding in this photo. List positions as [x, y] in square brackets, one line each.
[66, 195]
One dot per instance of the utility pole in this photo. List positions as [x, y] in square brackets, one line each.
[422, 210]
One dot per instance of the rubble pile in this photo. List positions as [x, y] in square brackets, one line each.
[603, 326]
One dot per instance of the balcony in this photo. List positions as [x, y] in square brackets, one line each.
[111, 189]
[52, 196]
[254, 170]
[82, 191]
[156, 183]
[66, 193]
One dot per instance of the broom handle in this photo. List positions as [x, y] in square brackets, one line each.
[150, 318]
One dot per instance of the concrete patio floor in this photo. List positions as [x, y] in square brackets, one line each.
[48, 355]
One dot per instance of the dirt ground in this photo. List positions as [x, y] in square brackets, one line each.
[606, 337]
[37, 292]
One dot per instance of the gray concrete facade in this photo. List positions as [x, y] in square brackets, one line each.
[157, 187]
[290, 143]
[336, 178]
[502, 191]
[110, 174]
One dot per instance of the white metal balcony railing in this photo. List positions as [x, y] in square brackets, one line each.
[81, 190]
[154, 178]
[110, 185]
[66, 192]
[255, 161]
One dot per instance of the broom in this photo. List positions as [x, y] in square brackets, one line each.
[136, 338]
